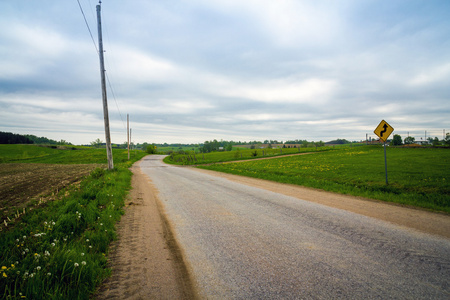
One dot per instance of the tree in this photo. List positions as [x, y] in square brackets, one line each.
[435, 141]
[97, 143]
[151, 149]
[409, 140]
[397, 140]
[447, 139]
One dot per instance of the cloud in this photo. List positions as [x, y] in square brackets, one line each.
[188, 71]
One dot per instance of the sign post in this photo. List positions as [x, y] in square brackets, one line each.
[383, 131]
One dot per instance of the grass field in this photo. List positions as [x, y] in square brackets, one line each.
[62, 155]
[242, 154]
[59, 208]
[418, 177]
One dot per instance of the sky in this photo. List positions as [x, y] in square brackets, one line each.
[197, 70]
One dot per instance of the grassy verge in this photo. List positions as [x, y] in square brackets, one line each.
[417, 177]
[57, 249]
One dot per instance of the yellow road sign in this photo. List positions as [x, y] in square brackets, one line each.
[383, 130]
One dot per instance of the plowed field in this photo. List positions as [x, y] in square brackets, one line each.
[19, 183]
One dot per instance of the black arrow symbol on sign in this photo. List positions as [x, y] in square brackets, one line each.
[383, 131]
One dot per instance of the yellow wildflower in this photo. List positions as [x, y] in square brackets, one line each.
[4, 275]
[4, 268]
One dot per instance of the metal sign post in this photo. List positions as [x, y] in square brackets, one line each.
[383, 131]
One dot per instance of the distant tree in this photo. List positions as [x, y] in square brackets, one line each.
[151, 149]
[11, 138]
[397, 140]
[97, 143]
[409, 140]
[447, 139]
[435, 141]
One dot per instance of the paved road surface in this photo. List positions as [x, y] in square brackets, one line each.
[242, 242]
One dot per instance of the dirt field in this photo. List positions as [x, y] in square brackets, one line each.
[19, 183]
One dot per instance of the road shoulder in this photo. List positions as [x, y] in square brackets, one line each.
[145, 260]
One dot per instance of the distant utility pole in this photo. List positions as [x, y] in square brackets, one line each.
[105, 102]
[128, 135]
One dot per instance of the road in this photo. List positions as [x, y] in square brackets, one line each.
[242, 242]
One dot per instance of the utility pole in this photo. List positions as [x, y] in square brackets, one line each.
[128, 135]
[105, 101]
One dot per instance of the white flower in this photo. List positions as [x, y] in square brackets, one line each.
[38, 268]
[26, 250]
[82, 254]
[53, 244]
[87, 240]
[83, 263]
[48, 274]
[101, 224]
[46, 253]
[76, 265]
[53, 223]
[90, 247]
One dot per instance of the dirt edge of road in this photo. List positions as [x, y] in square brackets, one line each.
[145, 260]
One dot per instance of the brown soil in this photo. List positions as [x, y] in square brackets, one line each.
[146, 261]
[20, 183]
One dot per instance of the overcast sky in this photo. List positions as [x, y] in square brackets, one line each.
[190, 71]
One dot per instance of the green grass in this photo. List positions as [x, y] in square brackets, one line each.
[226, 156]
[69, 155]
[418, 177]
[58, 249]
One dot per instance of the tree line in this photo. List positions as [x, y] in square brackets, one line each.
[12, 138]
[397, 140]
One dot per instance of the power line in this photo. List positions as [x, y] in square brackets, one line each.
[114, 96]
[89, 29]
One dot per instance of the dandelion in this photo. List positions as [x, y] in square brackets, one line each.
[83, 263]
[27, 250]
[82, 254]
[76, 265]
[53, 244]
[38, 268]
[4, 268]
[101, 224]
[49, 274]
[32, 275]
[46, 253]
[4, 274]
[87, 240]
[90, 247]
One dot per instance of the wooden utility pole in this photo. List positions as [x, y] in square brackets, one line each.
[105, 102]
[128, 135]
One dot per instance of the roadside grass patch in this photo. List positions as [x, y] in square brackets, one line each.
[58, 249]
[417, 177]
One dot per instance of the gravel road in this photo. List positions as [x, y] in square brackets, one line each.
[243, 242]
